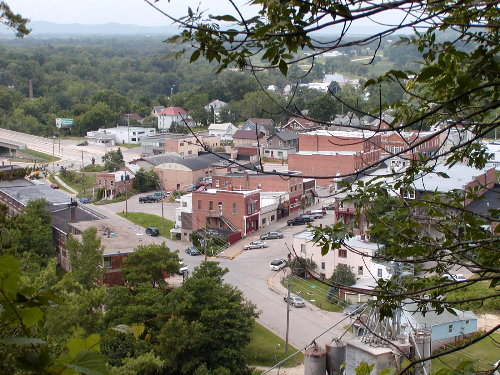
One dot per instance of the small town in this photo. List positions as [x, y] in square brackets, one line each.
[232, 227]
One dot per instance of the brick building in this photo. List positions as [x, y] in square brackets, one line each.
[323, 140]
[116, 183]
[189, 145]
[265, 182]
[234, 211]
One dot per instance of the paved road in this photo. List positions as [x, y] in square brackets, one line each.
[70, 154]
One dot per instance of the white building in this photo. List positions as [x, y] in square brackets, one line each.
[215, 107]
[493, 149]
[173, 115]
[132, 134]
[360, 260]
[183, 218]
[225, 131]
[269, 206]
[101, 138]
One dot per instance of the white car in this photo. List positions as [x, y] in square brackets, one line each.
[278, 264]
[454, 277]
[255, 245]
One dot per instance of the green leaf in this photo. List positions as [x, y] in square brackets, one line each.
[283, 67]
[89, 363]
[195, 56]
[226, 17]
[76, 345]
[20, 341]
[9, 276]
[137, 329]
[31, 316]
[429, 72]
[442, 174]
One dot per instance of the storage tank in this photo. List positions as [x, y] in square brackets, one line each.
[314, 361]
[335, 356]
[423, 350]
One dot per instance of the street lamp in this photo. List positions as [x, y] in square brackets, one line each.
[171, 90]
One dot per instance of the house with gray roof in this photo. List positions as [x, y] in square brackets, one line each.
[281, 144]
[149, 162]
[264, 125]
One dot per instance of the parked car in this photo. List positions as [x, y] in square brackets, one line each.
[83, 143]
[354, 309]
[182, 268]
[159, 195]
[330, 206]
[192, 251]
[317, 214]
[295, 301]
[54, 186]
[255, 245]
[271, 235]
[454, 277]
[148, 199]
[152, 231]
[84, 200]
[301, 220]
[309, 216]
[278, 264]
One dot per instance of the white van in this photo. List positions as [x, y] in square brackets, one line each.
[182, 268]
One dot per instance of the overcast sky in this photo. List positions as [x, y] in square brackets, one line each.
[136, 12]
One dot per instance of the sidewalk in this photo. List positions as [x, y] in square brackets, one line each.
[237, 248]
[62, 183]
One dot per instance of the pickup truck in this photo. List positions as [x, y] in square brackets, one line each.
[148, 199]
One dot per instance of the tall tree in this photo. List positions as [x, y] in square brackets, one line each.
[150, 264]
[85, 257]
[204, 310]
[113, 160]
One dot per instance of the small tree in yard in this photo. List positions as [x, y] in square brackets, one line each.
[342, 275]
[113, 160]
[145, 180]
[302, 266]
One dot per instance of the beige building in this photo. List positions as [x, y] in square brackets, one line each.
[189, 145]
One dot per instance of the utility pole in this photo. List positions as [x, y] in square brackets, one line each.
[162, 216]
[128, 128]
[126, 193]
[83, 175]
[53, 157]
[287, 313]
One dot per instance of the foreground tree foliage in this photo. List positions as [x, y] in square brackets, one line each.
[456, 85]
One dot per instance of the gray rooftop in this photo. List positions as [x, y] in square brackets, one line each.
[352, 242]
[167, 157]
[199, 162]
[24, 194]
[459, 176]
[431, 318]
[286, 135]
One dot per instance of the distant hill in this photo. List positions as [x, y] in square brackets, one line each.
[39, 28]
[44, 28]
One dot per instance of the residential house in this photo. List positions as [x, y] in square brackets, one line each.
[153, 145]
[293, 186]
[234, 211]
[300, 125]
[173, 115]
[356, 253]
[272, 207]
[134, 117]
[157, 110]
[264, 125]
[489, 201]
[281, 144]
[224, 131]
[181, 173]
[247, 138]
[493, 149]
[215, 107]
[445, 327]
[189, 145]
[115, 183]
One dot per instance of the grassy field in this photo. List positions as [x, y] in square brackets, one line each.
[484, 352]
[126, 145]
[52, 180]
[266, 349]
[314, 292]
[27, 153]
[149, 220]
[76, 181]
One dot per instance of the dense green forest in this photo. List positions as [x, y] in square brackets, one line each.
[97, 81]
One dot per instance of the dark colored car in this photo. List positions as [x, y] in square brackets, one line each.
[331, 206]
[301, 220]
[152, 231]
[54, 186]
[271, 236]
[84, 200]
[192, 251]
[84, 143]
[148, 199]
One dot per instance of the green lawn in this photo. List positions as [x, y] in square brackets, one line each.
[484, 352]
[126, 145]
[149, 220]
[313, 291]
[79, 181]
[52, 180]
[27, 153]
[267, 349]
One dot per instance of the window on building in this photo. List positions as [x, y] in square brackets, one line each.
[270, 142]
[234, 209]
[181, 144]
[303, 248]
[210, 205]
[190, 152]
[408, 194]
[281, 144]
[280, 153]
[263, 220]
[360, 270]
[450, 328]
[342, 253]
[112, 182]
[217, 183]
[323, 265]
[199, 204]
[184, 204]
[251, 208]
[379, 272]
[99, 182]
[226, 184]
[272, 217]
[107, 262]
[467, 322]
